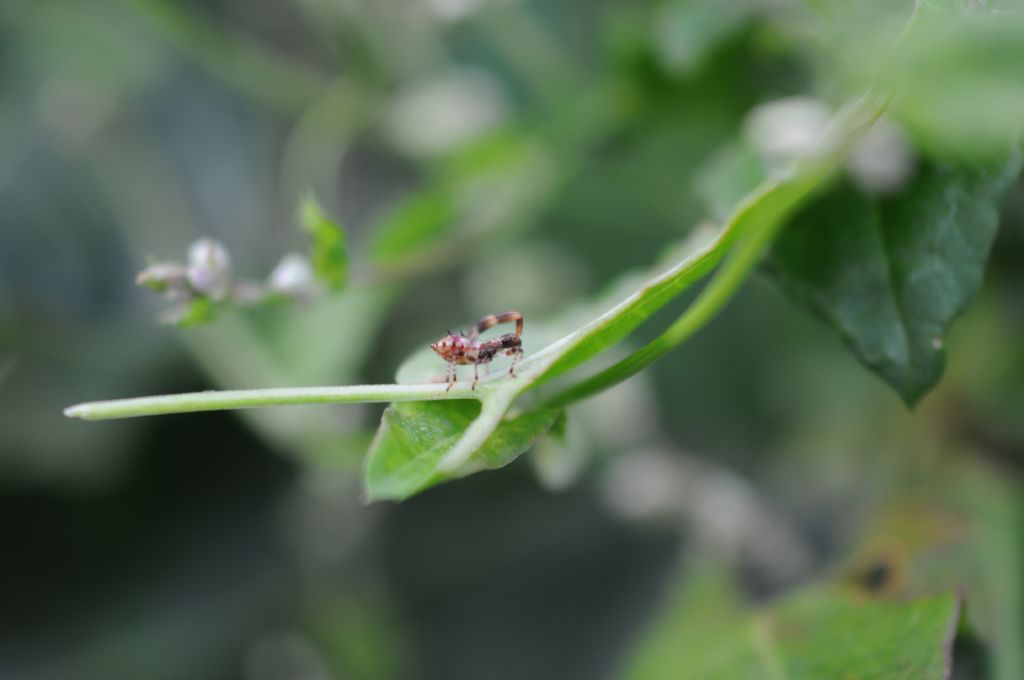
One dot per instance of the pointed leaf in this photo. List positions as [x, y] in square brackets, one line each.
[892, 278]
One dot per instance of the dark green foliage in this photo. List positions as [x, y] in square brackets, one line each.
[891, 276]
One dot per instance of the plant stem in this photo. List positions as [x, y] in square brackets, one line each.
[283, 396]
[711, 300]
[760, 217]
[756, 221]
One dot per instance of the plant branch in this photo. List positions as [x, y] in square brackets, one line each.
[755, 222]
[283, 396]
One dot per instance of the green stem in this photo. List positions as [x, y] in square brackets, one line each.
[711, 300]
[757, 221]
[491, 413]
[760, 218]
[283, 396]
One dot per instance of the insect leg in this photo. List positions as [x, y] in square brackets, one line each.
[452, 376]
[476, 374]
[517, 354]
[495, 319]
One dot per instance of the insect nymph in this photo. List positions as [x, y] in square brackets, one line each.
[456, 348]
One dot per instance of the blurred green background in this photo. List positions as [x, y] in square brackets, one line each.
[482, 155]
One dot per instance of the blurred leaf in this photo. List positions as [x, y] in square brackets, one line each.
[329, 255]
[962, 530]
[498, 182]
[358, 634]
[328, 339]
[560, 458]
[957, 78]
[995, 551]
[414, 436]
[816, 634]
[892, 279]
[699, 635]
[413, 224]
[730, 174]
[196, 312]
[686, 32]
[272, 77]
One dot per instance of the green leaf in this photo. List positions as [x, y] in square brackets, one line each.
[329, 254]
[891, 278]
[686, 32]
[414, 436]
[819, 633]
[496, 183]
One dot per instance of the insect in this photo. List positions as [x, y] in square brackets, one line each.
[458, 348]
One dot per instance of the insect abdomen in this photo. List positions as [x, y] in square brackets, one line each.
[508, 341]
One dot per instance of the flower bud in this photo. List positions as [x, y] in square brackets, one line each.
[294, 277]
[209, 269]
[163, 277]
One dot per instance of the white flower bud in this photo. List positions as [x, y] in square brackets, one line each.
[209, 269]
[452, 10]
[883, 160]
[293, 276]
[162, 276]
[440, 114]
[782, 131]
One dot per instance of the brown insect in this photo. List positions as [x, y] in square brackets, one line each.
[459, 349]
